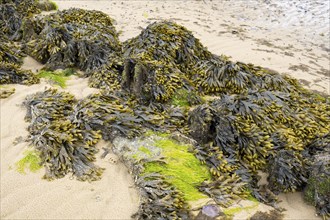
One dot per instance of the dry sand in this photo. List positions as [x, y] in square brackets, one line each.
[292, 39]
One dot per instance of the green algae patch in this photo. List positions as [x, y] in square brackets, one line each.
[181, 98]
[185, 98]
[59, 77]
[54, 6]
[145, 150]
[181, 168]
[141, 153]
[235, 210]
[31, 161]
[251, 197]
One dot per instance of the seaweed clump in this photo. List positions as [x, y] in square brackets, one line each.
[72, 38]
[58, 77]
[317, 191]
[65, 130]
[264, 130]
[272, 215]
[166, 173]
[11, 73]
[31, 160]
[9, 52]
[161, 60]
[63, 147]
[6, 92]
[12, 13]
[10, 62]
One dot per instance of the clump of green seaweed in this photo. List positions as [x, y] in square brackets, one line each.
[260, 120]
[57, 77]
[31, 160]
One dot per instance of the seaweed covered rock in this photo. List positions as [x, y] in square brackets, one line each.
[11, 73]
[10, 20]
[166, 183]
[317, 191]
[168, 45]
[9, 52]
[288, 172]
[168, 42]
[167, 57]
[12, 12]
[257, 131]
[72, 38]
[161, 60]
[162, 200]
[259, 121]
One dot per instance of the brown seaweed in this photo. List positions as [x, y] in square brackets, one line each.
[260, 120]
[11, 73]
[72, 38]
[317, 191]
[63, 147]
[161, 200]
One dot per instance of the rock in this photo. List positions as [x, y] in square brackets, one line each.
[209, 212]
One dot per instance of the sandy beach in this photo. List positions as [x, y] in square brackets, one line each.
[290, 37]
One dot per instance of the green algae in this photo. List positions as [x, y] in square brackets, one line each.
[145, 150]
[235, 210]
[251, 198]
[31, 160]
[53, 5]
[181, 98]
[182, 169]
[59, 77]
